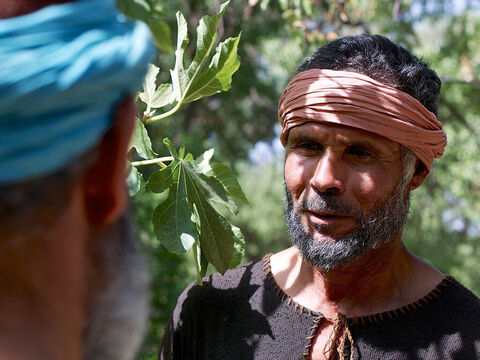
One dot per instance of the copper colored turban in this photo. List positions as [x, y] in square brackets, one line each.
[352, 99]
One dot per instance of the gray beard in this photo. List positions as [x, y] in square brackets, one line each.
[375, 228]
[119, 312]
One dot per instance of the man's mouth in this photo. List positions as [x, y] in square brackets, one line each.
[327, 218]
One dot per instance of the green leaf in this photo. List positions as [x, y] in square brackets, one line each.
[217, 174]
[161, 33]
[135, 181]
[213, 189]
[171, 148]
[135, 9]
[162, 179]
[141, 141]
[172, 218]
[218, 76]
[238, 248]
[228, 179]
[189, 216]
[181, 152]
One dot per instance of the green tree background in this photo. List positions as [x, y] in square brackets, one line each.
[444, 224]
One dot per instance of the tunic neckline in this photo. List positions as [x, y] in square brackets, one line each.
[373, 318]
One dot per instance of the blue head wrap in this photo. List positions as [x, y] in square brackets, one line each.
[62, 70]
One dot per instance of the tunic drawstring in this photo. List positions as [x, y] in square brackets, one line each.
[338, 340]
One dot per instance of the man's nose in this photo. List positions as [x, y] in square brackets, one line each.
[329, 174]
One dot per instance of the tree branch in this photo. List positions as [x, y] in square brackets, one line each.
[458, 116]
[396, 10]
[448, 80]
[359, 23]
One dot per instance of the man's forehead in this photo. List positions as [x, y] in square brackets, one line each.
[352, 99]
[341, 133]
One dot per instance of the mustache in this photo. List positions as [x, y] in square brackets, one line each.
[327, 203]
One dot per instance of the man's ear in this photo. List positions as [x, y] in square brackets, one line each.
[419, 176]
[105, 191]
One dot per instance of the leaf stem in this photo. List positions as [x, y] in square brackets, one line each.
[153, 161]
[165, 114]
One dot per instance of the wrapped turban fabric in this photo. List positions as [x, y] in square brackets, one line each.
[352, 99]
[62, 71]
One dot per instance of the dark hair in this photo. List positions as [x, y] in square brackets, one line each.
[382, 60]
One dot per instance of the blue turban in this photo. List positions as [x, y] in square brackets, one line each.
[62, 70]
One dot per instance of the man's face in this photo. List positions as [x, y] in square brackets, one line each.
[345, 192]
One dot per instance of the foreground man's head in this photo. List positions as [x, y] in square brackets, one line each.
[74, 285]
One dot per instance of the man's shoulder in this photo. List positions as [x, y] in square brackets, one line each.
[453, 308]
[461, 298]
[217, 289]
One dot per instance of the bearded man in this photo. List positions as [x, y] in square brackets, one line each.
[360, 131]
[74, 285]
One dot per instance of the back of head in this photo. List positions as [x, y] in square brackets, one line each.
[382, 60]
[12, 8]
[59, 92]
[21, 202]
[67, 248]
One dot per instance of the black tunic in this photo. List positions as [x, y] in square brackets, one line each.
[244, 315]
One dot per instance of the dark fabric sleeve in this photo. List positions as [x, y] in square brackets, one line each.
[178, 337]
[167, 351]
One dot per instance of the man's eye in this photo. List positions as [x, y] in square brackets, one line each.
[359, 152]
[310, 146]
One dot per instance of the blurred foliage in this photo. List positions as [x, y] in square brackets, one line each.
[190, 215]
[444, 224]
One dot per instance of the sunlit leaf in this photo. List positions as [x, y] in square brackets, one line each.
[162, 96]
[201, 263]
[179, 74]
[141, 141]
[203, 161]
[238, 248]
[149, 84]
[206, 37]
[135, 181]
[212, 188]
[228, 179]
[218, 76]
[194, 82]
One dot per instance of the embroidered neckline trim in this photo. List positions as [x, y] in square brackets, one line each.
[374, 318]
